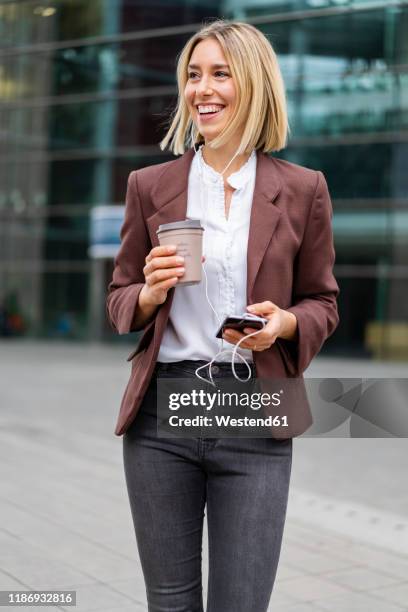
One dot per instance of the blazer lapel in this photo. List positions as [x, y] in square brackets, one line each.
[169, 197]
[264, 217]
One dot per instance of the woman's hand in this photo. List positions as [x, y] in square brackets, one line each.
[281, 324]
[162, 272]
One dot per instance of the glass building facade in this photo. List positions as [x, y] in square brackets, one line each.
[86, 87]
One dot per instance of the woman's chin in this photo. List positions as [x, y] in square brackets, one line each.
[209, 135]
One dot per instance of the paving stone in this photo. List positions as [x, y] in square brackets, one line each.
[296, 608]
[133, 588]
[375, 558]
[41, 573]
[100, 597]
[298, 556]
[136, 607]
[286, 571]
[358, 602]
[38, 608]
[280, 598]
[10, 582]
[316, 540]
[310, 588]
[397, 594]
[362, 579]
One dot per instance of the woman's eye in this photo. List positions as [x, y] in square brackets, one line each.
[219, 73]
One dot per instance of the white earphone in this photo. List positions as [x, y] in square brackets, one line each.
[246, 314]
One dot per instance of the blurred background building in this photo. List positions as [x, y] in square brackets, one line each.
[85, 89]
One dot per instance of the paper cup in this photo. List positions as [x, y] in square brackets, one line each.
[188, 236]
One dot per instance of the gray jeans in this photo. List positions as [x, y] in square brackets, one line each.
[243, 482]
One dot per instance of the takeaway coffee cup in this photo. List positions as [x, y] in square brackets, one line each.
[188, 236]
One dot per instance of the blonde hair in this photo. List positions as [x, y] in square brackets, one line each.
[260, 91]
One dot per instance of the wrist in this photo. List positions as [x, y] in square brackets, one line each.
[145, 300]
[144, 310]
[289, 329]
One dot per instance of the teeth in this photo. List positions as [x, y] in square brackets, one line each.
[209, 109]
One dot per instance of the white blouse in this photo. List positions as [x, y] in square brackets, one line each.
[192, 325]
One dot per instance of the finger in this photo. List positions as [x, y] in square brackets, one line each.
[167, 284]
[257, 340]
[254, 335]
[160, 275]
[164, 261]
[161, 251]
[261, 306]
[233, 333]
[234, 341]
[268, 306]
[234, 337]
[247, 344]
[250, 330]
[227, 335]
[159, 263]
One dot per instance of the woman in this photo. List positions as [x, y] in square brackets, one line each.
[269, 251]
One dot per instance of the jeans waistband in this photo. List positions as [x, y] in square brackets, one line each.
[223, 368]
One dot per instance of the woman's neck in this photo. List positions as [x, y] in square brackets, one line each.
[219, 158]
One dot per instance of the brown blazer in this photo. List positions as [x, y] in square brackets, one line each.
[290, 262]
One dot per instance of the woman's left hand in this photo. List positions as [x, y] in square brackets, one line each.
[266, 337]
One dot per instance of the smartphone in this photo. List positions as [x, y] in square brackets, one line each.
[240, 323]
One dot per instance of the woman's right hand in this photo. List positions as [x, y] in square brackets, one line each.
[162, 270]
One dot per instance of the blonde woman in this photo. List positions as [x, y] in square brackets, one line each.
[268, 250]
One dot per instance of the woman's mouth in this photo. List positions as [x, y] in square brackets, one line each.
[206, 112]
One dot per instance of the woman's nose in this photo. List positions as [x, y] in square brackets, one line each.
[204, 87]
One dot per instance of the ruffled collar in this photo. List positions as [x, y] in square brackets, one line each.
[237, 179]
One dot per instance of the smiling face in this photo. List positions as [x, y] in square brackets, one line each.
[210, 92]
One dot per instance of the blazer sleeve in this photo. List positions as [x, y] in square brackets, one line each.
[128, 278]
[315, 290]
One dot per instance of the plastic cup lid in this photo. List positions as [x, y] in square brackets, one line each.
[186, 224]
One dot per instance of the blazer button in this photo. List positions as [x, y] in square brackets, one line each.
[215, 369]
